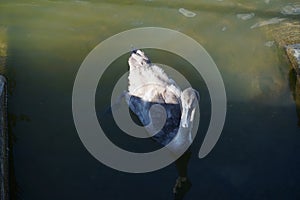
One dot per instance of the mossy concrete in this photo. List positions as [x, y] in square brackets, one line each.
[287, 35]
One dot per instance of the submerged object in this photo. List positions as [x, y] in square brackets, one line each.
[245, 16]
[186, 12]
[224, 28]
[274, 20]
[269, 43]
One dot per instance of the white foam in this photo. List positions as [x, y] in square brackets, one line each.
[186, 12]
[245, 16]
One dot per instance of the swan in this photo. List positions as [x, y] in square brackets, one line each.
[148, 84]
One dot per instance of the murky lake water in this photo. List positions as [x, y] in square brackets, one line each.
[257, 156]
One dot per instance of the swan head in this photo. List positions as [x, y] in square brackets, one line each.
[138, 59]
[189, 100]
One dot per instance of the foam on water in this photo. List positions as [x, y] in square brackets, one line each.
[186, 12]
[245, 16]
[291, 9]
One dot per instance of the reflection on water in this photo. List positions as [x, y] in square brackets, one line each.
[48, 40]
[183, 184]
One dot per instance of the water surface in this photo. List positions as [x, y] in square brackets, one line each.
[257, 156]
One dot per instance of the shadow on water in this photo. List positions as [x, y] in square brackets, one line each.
[121, 139]
[13, 119]
[7, 69]
[294, 84]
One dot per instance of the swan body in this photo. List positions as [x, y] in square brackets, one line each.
[150, 85]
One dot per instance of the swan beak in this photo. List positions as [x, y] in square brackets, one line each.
[140, 56]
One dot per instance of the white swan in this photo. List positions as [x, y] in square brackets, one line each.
[148, 85]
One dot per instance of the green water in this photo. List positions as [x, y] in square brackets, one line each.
[257, 156]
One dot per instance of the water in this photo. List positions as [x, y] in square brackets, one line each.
[257, 156]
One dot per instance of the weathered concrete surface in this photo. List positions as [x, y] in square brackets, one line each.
[4, 179]
[4, 168]
[286, 33]
[293, 52]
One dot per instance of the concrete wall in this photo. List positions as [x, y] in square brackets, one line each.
[4, 168]
[4, 179]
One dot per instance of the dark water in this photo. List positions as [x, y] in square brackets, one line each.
[257, 156]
